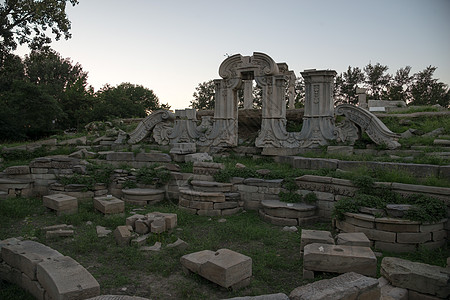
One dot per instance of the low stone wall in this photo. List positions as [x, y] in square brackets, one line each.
[254, 190]
[418, 170]
[136, 160]
[395, 235]
[329, 190]
[43, 272]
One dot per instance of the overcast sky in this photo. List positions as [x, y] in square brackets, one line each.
[170, 46]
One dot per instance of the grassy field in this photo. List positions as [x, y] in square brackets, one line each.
[277, 264]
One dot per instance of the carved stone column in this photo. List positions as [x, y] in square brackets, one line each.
[318, 121]
[248, 95]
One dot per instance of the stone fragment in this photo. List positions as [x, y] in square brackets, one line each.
[353, 239]
[109, 205]
[141, 226]
[178, 244]
[122, 235]
[158, 225]
[290, 228]
[339, 259]
[397, 210]
[102, 231]
[140, 241]
[419, 277]
[58, 233]
[389, 292]
[62, 204]
[132, 219]
[223, 267]
[346, 286]
[315, 236]
[171, 220]
[57, 227]
[64, 278]
[279, 296]
[198, 157]
[156, 247]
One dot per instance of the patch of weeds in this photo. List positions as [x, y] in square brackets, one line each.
[129, 184]
[187, 167]
[290, 197]
[9, 291]
[17, 208]
[310, 198]
[153, 175]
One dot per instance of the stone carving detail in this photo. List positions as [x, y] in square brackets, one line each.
[368, 122]
[147, 124]
[347, 132]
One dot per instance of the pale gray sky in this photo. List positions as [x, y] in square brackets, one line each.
[171, 46]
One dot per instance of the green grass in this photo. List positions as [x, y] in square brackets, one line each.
[277, 264]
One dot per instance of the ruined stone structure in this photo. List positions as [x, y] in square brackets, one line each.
[237, 73]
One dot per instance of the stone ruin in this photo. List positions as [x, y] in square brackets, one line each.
[238, 72]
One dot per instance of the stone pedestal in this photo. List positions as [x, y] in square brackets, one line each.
[318, 121]
[362, 101]
[61, 203]
[224, 267]
[109, 205]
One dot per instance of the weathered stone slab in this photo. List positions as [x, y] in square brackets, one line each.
[211, 186]
[122, 235]
[353, 239]
[61, 203]
[277, 220]
[315, 236]
[202, 196]
[64, 278]
[17, 170]
[280, 209]
[347, 286]
[279, 296]
[153, 157]
[25, 256]
[339, 259]
[120, 156]
[416, 276]
[143, 196]
[109, 205]
[389, 292]
[179, 244]
[51, 234]
[224, 267]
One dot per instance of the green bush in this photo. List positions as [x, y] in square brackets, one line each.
[154, 175]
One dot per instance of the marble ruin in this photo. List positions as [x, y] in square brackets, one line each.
[277, 82]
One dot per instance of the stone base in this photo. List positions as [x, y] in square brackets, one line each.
[223, 267]
[143, 196]
[61, 203]
[109, 205]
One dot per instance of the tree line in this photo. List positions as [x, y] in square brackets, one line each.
[418, 89]
[44, 93]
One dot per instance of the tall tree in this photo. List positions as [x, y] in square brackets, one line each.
[204, 95]
[399, 88]
[29, 21]
[125, 101]
[377, 80]
[346, 84]
[427, 90]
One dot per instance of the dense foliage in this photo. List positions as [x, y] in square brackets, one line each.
[424, 208]
[416, 89]
[45, 92]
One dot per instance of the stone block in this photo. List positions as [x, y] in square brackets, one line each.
[431, 227]
[230, 211]
[419, 277]
[131, 220]
[109, 205]
[276, 220]
[413, 295]
[353, 239]
[140, 240]
[17, 170]
[153, 157]
[360, 220]
[120, 156]
[33, 287]
[324, 163]
[397, 225]
[61, 203]
[226, 205]
[413, 237]
[58, 233]
[389, 292]
[198, 157]
[122, 235]
[25, 256]
[141, 226]
[340, 150]
[439, 235]
[346, 286]
[394, 247]
[64, 278]
[171, 220]
[158, 225]
[315, 236]
[183, 148]
[209, 212]
[339, 259]
[202, 205]
[223, 267]
[179, 244]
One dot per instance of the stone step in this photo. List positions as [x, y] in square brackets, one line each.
[143, 196]
[211, 186]
[280, 209]
[192, 195]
